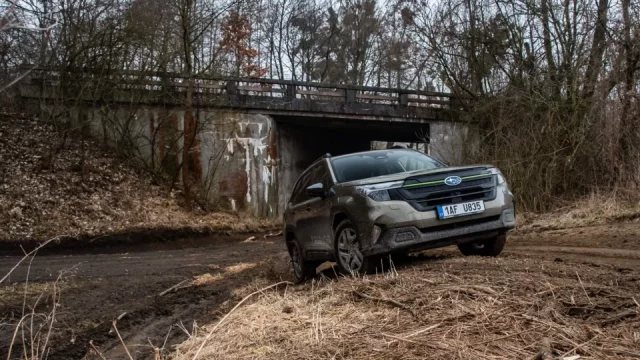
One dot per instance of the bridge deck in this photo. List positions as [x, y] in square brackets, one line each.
[278, 97]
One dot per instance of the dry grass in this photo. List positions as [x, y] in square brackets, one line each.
[32, 326]
[600, 207]
[503, 309]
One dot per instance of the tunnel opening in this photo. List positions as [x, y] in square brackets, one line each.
[302, 141]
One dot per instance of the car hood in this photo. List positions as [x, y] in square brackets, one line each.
[410, 174]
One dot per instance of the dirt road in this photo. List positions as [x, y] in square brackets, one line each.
[97, 288]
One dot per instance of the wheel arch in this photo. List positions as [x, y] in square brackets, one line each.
[339, 217]
[289, 235]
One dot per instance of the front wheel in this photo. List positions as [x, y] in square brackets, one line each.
[489, 247]
[349, 256]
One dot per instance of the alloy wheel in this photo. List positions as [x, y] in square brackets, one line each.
[349, 253]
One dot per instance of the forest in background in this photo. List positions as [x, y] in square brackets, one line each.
[550, 87]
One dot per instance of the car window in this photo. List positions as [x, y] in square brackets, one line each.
[317, 174]
[299, 193]
[380, 163]
[410, 163]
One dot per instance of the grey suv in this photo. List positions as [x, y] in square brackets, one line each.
[353, 208]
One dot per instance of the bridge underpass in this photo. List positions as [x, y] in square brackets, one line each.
[301, 142]
[254, 136]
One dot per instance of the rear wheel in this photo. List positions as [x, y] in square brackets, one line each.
[488, 247]
[302, 269]
[348, 250]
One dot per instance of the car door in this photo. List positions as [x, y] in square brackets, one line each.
[314, 221]
[297, 203]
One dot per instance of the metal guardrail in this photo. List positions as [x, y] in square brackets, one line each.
[277, 89]
[274, 96]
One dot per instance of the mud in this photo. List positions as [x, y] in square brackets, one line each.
[125, 241]
[130, 279]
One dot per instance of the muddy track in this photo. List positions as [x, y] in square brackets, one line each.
[101, 287]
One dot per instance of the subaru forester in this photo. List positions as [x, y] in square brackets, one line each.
[354, 208]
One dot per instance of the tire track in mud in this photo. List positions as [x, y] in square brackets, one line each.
[106, 285]
[591, 252]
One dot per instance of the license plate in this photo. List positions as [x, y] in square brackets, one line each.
[461, 209]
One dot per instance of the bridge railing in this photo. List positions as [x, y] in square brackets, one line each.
[244, 88]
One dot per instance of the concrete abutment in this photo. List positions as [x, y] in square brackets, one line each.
[248, 162]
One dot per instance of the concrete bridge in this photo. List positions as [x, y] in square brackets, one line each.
[251, 137]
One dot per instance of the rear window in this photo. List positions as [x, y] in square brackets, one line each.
[379, 163]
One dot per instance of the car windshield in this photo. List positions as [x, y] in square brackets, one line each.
[379, 163]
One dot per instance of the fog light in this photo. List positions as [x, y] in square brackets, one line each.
[508, 216]
[375, 234]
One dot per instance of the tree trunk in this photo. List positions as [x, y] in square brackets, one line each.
[190, 157]
[548, 48]
[597, 50]
[628, 122]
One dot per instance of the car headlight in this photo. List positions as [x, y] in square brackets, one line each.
[379, 192]
[497, 172]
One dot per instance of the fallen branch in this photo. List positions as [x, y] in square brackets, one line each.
[156, 351]
[96, 350]
[398, 338]
[29, 254]
[578, 346]
[583, 289]
[388, 301]
[279, 233]
[115, 328]
[174, 287]
[418, 332]
[232, 310]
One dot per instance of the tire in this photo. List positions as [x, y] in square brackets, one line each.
[302, 269]
[490, 247]
[348, 251]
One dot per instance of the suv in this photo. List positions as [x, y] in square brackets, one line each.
[353, 208]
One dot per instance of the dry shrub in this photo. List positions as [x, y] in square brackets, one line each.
[439, 311]
[33, 328]
[551, 150]
[599, 207]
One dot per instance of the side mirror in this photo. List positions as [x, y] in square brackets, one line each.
[316, 190]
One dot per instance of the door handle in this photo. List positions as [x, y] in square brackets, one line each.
[308, 208]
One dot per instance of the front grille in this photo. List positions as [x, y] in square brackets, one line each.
[425, 198]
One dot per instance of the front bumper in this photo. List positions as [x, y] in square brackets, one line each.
[404, 228]
[412, 238]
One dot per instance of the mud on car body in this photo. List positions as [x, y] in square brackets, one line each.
[352, 209]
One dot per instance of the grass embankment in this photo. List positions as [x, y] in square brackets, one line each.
[86, 192]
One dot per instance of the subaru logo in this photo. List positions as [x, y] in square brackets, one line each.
[453, 180]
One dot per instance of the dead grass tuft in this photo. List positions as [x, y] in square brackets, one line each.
[206, 279]
[530, 309]
[600, 207]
